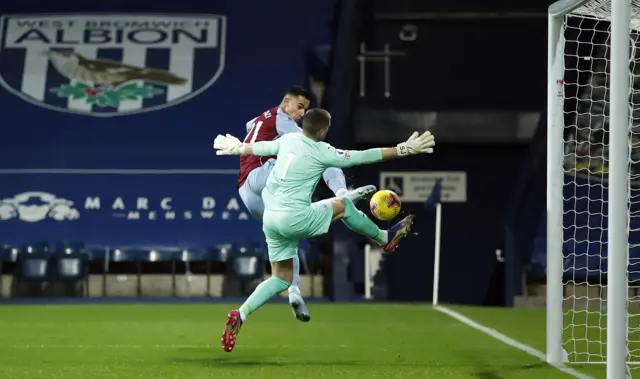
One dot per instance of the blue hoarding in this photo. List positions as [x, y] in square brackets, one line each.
[145, 208]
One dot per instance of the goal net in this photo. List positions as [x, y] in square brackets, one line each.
[585, 121]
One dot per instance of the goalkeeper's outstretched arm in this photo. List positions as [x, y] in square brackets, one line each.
[416, 144]
[261, 148]
[230, 145]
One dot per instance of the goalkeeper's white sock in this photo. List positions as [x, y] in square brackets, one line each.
[293, 288]
[385, 238]
[341, 192]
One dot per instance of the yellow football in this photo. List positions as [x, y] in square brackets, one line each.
[385, 205]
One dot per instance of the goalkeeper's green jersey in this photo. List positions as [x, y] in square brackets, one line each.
[300, 164]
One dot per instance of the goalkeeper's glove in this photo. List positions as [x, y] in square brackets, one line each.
[228, 145]
[417, 144]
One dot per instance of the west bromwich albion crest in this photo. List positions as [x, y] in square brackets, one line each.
[110, 65]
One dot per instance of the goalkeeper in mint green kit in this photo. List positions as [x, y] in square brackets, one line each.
[289, 213]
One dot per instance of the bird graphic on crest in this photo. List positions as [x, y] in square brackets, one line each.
[74, 66]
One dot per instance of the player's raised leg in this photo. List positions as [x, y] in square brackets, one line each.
[354, 195]
[251, 190]
[335, 180]
[359, 193]
[354, 219]
[252, 201]
[298, 306]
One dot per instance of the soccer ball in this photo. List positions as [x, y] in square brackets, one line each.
[385, 205]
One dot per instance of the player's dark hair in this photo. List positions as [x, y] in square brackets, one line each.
[315, 120]
[298, 91]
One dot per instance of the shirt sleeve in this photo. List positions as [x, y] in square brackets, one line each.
[250, 124]
[332, 157]
[284, 124]
[266, 148]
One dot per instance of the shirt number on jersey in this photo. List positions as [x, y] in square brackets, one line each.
[254, 130]
[290, 157]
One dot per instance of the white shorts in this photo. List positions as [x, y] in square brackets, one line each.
[251, 190]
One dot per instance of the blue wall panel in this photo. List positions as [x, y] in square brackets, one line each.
[66, 113]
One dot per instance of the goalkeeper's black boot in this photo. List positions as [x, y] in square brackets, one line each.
[397, 233]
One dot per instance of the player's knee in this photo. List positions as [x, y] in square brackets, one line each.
[285, 276]
[338, 204]
[286, 281]
[283, 270]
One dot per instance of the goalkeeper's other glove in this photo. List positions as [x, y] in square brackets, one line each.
[417, 144]
[228, 145]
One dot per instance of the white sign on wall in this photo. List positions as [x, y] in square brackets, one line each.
[416, 186]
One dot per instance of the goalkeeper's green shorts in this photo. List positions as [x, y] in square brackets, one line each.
[283, 229]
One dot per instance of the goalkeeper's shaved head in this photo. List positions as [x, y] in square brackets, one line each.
[316, 123]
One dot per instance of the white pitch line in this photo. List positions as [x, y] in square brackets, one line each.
[509, 341]
[168, 346]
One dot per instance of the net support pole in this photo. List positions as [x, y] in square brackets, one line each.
[436, 255]
[555, 180]
[367, 272]
[617, 249]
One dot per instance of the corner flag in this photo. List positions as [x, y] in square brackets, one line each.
[434, 197]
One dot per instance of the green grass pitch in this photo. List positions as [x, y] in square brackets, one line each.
[341, 341]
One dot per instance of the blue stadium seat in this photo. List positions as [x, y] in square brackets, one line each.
[8, 259]
[197, 261]
[36, 247]
[69, 266]
[124, 255]
[68, 248]
[246, 264]
[32, 275]
[201, 256]
[69, 273]
[97, 254]
[247, 267]
[157, 255]
[127, 257]
[9, 254]
[243, 249]
[194, 256]
[158, 261]
[222, 253]
[98, 263]
[34, 266]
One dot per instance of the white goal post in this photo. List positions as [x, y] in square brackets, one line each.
[593, 142]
